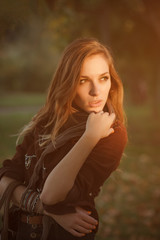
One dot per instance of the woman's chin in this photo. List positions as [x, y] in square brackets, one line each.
[96, 110]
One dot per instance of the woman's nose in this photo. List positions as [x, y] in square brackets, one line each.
[94, 90]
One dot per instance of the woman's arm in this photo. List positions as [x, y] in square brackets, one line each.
[18, 192]
[79, 221]
[61, 179]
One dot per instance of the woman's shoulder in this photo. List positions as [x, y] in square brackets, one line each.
[117, 139]
[110, 149]
[120, 128]
[28, 138]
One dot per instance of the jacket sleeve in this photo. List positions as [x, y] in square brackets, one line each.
[101, 162]
[15, 167]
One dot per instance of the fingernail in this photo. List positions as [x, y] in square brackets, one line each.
[90, 231]
[89, 212]
[112, 131]
[94, 227]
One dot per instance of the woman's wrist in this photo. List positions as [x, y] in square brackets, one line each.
[30, 202]
[39, 207]
[91, 138]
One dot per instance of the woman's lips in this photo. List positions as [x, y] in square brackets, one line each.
[95, 103]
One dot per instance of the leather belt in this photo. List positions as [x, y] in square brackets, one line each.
[31, 219]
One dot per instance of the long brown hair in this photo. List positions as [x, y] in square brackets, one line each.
[62, 89]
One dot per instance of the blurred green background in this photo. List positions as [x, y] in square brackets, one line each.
[33, 33]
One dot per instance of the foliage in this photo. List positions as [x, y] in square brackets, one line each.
[33, 34]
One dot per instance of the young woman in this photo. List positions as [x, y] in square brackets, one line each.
[70, 147]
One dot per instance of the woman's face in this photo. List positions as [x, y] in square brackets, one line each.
[94, 84]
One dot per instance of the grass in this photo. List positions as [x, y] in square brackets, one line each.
[129, 203]
[15, 111]
[21, 99]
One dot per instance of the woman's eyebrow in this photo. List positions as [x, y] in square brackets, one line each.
[99, 75]
[104, 73]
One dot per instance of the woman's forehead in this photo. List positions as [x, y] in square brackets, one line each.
[95, 64]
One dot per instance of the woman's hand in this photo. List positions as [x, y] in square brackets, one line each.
[99, 125]
[78, 224]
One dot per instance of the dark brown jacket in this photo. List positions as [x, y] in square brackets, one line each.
[101, 162]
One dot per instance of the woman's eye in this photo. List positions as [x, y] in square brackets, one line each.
[82, 81]
[105, 78]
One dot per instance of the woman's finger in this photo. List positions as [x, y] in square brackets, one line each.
[76, 234]
[110, 131]
[86, 216]
[112, 116]
[101, 112]
[86, 225]
[83, 227]
[89, 219]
